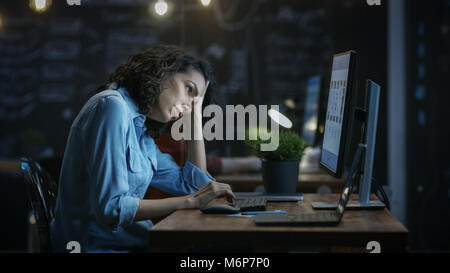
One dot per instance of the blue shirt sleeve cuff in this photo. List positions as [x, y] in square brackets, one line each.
[128, 209]
[195, 175]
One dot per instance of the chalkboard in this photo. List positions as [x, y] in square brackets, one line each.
[262, 52]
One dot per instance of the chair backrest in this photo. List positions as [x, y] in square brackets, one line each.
[42, 191]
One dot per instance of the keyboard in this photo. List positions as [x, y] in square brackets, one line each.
[256, 203]
[311, 217]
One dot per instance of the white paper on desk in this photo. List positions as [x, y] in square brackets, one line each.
[240, 215]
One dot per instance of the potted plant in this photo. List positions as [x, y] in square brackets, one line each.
[280, 168]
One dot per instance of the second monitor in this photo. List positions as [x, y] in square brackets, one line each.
[340, 118]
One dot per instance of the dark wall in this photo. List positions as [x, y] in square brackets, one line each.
[428, 130]
[262, 52]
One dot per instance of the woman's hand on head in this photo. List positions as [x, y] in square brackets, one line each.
[209, 192]
[197, 102]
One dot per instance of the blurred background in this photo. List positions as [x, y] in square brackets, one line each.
[53, 54]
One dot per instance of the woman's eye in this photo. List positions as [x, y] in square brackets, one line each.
[189, 89]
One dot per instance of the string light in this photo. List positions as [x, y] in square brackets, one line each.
[40, 5]
[161, 7]
[290, 103]
[205, 3]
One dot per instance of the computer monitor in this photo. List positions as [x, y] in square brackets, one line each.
[311, 111]
[340, 113]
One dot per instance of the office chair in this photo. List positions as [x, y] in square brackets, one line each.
[42, 191]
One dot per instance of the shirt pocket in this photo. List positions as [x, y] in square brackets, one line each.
[134, 160]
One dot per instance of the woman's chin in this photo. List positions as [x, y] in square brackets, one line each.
[160, 118]
[168, 119]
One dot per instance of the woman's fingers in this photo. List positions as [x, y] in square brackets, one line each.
[213, 190]
[225, 189]
[215, 186]
[229, 195]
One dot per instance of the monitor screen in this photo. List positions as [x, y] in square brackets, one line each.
[310, 116]
[334, 118]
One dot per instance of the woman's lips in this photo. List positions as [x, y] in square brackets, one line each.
[178, 112]
[175, 113]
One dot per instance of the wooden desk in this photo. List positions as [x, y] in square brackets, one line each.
[10, 166]
[190, 230]
[307, 182]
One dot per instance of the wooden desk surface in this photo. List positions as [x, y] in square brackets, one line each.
[184, 229]
[10, 166]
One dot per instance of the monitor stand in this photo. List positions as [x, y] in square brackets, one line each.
[370, 118]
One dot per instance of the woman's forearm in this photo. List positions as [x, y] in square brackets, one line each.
[150, 209]
[196, 145]
[197, 154]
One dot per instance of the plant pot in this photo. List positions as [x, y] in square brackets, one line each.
[280, 176]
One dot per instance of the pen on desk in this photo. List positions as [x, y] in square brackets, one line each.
[263, 212]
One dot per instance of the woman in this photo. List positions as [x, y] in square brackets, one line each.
[111, 158]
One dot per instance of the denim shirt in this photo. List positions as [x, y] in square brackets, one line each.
[108, 165]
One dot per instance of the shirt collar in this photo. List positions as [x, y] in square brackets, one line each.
[138, 118]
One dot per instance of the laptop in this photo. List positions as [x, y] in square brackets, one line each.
[307, 219]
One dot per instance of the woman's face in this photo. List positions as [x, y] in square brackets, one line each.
[177, 96]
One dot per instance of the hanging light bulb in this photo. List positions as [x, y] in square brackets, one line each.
[290, 103]
[205, 3]
[161, 7]
[40, 5]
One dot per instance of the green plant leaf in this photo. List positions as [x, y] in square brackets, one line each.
[291, 146]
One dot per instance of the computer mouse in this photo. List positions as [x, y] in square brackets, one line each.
[220, 209]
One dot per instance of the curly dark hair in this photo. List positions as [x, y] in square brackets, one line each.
[144, 72]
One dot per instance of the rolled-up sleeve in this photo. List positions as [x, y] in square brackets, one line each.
[104, 141]
[177, 180]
